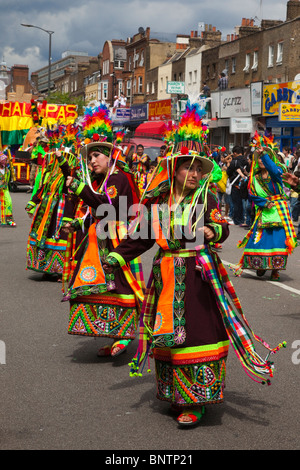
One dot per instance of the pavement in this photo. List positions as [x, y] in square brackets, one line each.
[56, 394]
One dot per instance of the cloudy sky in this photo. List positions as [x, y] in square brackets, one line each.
[84, 25]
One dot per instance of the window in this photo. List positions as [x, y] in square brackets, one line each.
[105, 67]
[271, 56]
[195, 76]
[153, 88]
[255, 61]
[148, 88]
[140, 85]
[128, 88]
[118, 64]
[104, 91]
[233, 65]
[190, 77]
[129, 64]
[279, 52]
[226, 66]
[247, 63]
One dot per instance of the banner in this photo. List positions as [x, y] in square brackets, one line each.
[275, 94]
[160, 110]
[16, 119]
[289, 112]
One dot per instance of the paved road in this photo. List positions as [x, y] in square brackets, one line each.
[56, 393]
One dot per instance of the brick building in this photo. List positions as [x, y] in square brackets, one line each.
[266, 54]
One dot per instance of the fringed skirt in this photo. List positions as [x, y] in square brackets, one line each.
[266, 249]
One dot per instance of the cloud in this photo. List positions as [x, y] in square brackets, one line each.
[85, 26]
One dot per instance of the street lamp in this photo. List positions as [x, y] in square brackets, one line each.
[50, 35]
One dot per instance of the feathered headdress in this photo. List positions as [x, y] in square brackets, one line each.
[191, 131]
[259, 140]
[96, 125]
[70, 137]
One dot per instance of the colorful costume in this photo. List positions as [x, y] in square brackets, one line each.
[6, 215]
[103, 305]
[140, 167]
[272, 237]
[191, 311]
[46, 244]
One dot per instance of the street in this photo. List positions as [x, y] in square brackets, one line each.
[56, 394]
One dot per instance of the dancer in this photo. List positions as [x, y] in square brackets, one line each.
[272, 237]
[100, 305]
[6, 214]
[46, 244]
[189, 312]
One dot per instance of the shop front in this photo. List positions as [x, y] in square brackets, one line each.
[281, 109]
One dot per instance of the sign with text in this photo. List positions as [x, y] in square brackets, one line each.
[289, 112]
[160, 110]
[280, 93]
[138, 112]
[241, 125]
[256, 89]
[235, 103]
[176, 88]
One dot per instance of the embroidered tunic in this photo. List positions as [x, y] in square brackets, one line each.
[189, 340]
[101, 304]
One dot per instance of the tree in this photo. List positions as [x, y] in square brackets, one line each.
[64, 98]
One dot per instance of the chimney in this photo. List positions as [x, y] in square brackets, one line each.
[292, 10]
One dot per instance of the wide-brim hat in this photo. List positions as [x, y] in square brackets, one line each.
[207, 164]
[106, 146]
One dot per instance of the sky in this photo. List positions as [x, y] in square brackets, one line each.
[85, 25]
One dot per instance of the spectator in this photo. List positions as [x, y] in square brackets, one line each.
[287, 155]
[236, 173]
[205, 90]
[223, 81]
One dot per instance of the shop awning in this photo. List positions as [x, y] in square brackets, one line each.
[151, 128]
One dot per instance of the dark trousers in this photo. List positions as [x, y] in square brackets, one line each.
[238, 210]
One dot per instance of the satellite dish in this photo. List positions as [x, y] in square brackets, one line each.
[141, 30]
[297, 77]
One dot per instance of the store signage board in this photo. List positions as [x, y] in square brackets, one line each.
[280, 93]
[235, 103]
[175, 88]
[289, 112]
[241, 125]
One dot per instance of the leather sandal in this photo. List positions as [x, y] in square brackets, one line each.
[120, 346]
[194, 415]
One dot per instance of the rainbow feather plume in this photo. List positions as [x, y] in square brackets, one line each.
[119, 137]
[96, 125]
[191, 126]
[259, 140]
[71, 136]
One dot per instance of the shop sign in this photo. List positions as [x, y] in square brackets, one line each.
[160, 110]
[256, 97]
[241, 125]
[138, 112]
[276, 94]
[289, 112]
[176, 88]
[235, 103]
[121, 115]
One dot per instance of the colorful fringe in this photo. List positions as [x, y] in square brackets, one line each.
[238, 329]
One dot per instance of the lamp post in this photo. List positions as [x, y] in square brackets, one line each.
[50, 35]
